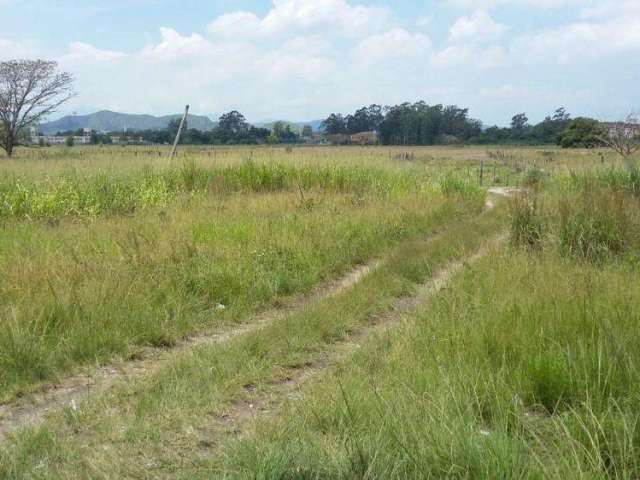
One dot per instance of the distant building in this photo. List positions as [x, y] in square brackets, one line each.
[361, 138]
[364, 138]
[339, 139]
[628, 129]
[59, 140]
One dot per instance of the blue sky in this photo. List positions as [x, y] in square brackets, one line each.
[302, 59]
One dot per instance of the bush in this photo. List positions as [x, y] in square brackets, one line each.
[534, 177]
[582, 133]
[526, 224]
[597, 223]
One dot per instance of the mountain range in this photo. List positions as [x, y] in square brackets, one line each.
[107, 121]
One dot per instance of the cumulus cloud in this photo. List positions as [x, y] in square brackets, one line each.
[392, 45]
[10, 49]
[477, 27]
[539, 4]
[469, 56]
[79, 51]
[580, 41]
[173, 45]
[303, 59]
[287, 16]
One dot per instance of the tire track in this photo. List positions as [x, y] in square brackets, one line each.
[31, 410]
[241, 415]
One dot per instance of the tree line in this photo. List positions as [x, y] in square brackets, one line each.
[422, 124]
[30, 90]
[232, 129]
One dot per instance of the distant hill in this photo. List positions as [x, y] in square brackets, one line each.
[295, 126]
[106, 121]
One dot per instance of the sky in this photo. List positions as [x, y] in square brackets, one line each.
[303, 59]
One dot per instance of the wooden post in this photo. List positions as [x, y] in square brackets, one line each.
[177, 140]
[481, 172]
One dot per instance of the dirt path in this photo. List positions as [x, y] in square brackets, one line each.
[240, 416]
[32, 409]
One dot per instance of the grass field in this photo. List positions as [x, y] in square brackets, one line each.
[473, 343]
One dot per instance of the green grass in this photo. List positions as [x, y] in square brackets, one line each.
[73, 194]
[96, 265]
[166, 424]
[524, 366]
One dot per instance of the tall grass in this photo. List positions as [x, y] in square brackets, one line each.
[172, 421]
[76, 194]
[524, 368]
[144, 257]
[591, 217]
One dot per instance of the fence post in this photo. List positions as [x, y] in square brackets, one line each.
[177, 140]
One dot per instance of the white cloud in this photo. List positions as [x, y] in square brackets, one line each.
[310, 44]
[539, 4]
[290, 16]
[277, 66]
[174, 45]
[457, 56]
[392, 45]
[10, 49]
[581, 41]
[236, 23]
[305, 58]
[79, 51]
[612, 9]
[477, 27]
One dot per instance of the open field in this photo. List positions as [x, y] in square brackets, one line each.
[319, 312]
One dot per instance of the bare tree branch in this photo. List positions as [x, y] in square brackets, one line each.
[624, 138]
[30, 90]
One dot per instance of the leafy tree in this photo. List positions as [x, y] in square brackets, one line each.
[519, 122]
[547, 131]
[561, 115]
[307, 131]
[95, 138]
[423, 124]
[172, 130]
[282, 131]
[582, 132]
[69, 142]
[279, 129]
[334, 124]
[233, 123]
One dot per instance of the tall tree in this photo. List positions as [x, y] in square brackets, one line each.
[334, 124]
[307, 131]
[582, 133]
[233, 123]
[519, 122]
[29, 91]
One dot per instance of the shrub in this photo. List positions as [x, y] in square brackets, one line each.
[526, 223]
[596, 223]
[534, 177]
[582, 133]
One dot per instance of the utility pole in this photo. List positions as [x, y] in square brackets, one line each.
[177, 140]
